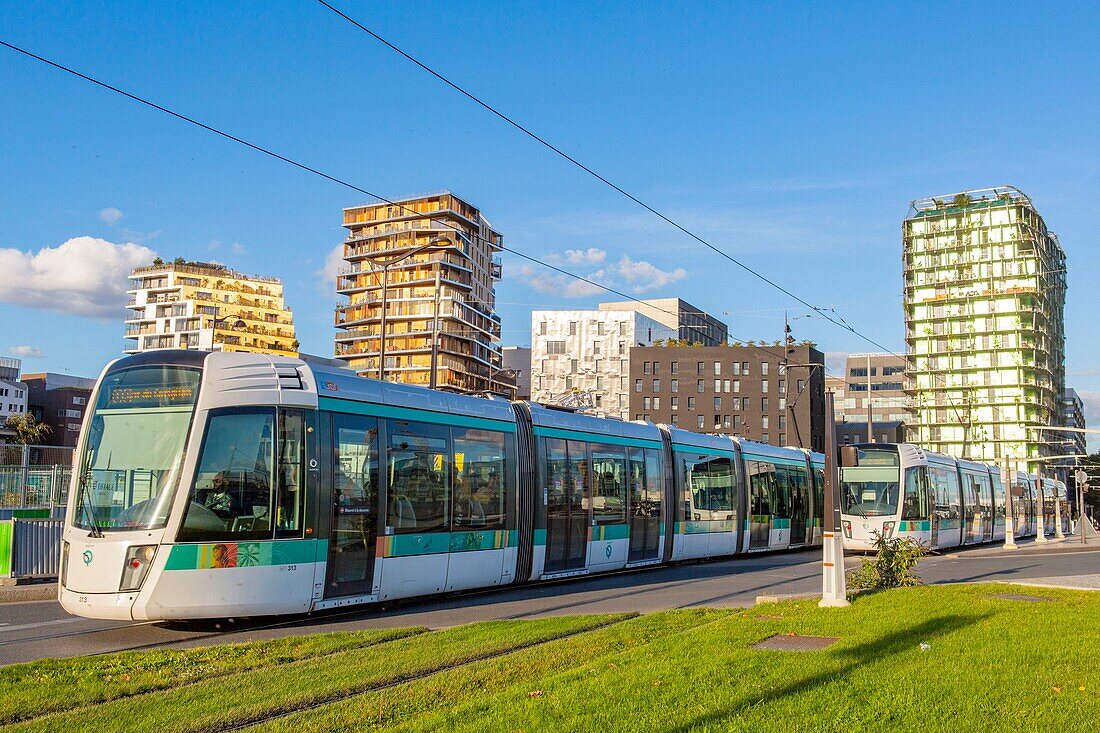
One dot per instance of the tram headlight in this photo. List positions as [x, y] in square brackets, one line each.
[847, 526]
[887, 529]
[138, 560]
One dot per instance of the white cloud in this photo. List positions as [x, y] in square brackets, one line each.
[84, 276]
[26, 352]
[590, 256]
[214, 244]
[110, 215]
[326, 276]
[636, 276]
[237, 248]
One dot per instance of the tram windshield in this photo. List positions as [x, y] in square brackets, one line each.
[134, 448]
[870, 491]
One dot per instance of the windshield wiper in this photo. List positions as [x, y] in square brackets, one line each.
[88, 512]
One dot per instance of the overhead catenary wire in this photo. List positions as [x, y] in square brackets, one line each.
[587, 169]
[315, 171]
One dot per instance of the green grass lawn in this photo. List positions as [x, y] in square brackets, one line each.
[991, 665]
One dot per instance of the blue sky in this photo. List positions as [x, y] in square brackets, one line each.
[791, 135]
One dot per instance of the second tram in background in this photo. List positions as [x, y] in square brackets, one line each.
[900, 490]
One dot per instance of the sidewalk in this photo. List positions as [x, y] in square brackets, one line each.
[45, 591]
[1070, 582]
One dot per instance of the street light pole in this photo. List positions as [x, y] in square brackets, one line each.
[1008, 480]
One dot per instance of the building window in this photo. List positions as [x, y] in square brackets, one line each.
[622, 401]
[764, 422]
[736, 368]
[675, 367]
[782, 403]
[701, 386]
[736, 422]
[764, 385]
[622, 348]
[600, 328]
[782, 386]
[622, 330]
[646, 402]
[726, 386]
[599, 365]
[764, 438]
[737, 385]
[572, 328]
[573, 366]
[700, 422]
[763, 368]
[542, 328]
[801, 385]
[725, 421]
[717, 368]
[782, 422]
[763, 404]
[718, 385]
[675, 403]
[656, 385]
[744, 369]
[699, 367]
[674, 385]
[637, 385]
[656, 368]
[675, 419]
[717, 403]
[624, 383]
[645, 367]
[783, 439]
[656, 403]
[555, 347]
[76, 400]
[596, 348]
[691, 403]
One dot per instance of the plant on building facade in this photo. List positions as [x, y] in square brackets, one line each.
[892, 566]
[28, 431]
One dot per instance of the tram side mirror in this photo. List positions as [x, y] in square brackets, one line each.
[849, 456]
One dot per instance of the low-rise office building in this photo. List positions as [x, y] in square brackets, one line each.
[60, 401]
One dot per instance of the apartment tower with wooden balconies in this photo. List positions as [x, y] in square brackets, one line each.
[985, 289]
[429, 261]
[209, 307]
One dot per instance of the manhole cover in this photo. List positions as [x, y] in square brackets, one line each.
[1020, 597]
[795, 643]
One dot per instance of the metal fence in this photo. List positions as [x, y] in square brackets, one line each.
[34, 476]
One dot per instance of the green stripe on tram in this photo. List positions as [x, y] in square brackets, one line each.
[245, 554]
[920, 525]
[408, 413]
[543, 432]
[708, 526]
[605, 532]
[437, 543]
[800, 463]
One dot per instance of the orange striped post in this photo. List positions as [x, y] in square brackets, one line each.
[834, 592]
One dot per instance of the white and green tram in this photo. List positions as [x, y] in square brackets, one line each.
[211, 485]
[900, 490]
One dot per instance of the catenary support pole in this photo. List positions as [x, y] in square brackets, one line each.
[834, 592]
[1040, 507]
[1008, 480]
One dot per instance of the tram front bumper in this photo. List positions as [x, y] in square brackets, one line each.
[110, 606]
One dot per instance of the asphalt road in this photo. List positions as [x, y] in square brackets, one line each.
[36, 629]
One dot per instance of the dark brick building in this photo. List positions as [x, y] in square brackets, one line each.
[60, 401]
[746, 391]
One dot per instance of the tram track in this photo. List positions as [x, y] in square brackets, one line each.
[403, 680]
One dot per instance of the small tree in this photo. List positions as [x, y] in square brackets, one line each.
[892, 566]
[28, 431]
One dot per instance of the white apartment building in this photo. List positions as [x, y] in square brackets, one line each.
[13, 393]
[581, 358]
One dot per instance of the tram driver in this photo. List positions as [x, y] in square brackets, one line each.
[219, 500]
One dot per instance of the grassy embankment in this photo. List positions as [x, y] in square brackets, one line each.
[991, 664]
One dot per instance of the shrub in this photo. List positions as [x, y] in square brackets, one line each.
[892, 566]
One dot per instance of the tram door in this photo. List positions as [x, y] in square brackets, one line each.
[646, 492]
[800, 503]
[567, 520]
[354, 506]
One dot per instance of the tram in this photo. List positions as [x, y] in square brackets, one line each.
[900, 490]
[213, 485]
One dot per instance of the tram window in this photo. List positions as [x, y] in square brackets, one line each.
[290, 500]
[781, 505]
[480, 474]
[710, 487]
[609, 484]
[915, 505]
[645, 482]
[419, 477]
[761, 483]
[355, 489]
[231, 497]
